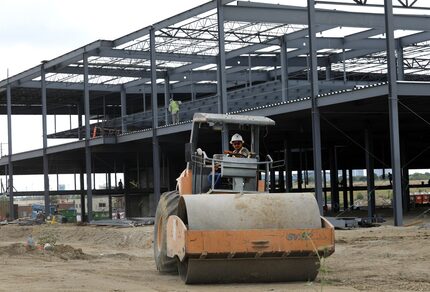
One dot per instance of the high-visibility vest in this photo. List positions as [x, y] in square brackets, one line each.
[173, 107]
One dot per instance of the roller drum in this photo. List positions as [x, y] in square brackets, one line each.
[198, 271]
[249, 211]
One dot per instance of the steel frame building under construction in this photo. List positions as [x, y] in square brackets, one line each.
[346, 81]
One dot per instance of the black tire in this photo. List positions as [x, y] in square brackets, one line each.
[168, 205]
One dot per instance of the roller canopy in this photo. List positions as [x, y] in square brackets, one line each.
[232, 119]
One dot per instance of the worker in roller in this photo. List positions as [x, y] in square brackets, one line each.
[239, 150]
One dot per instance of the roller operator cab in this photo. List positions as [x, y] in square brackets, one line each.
[222, 224]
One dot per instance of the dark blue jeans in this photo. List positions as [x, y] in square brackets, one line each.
[217, 179]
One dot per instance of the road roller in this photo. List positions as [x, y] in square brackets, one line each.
[236, 230]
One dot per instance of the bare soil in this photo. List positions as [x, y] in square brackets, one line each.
[90, 258]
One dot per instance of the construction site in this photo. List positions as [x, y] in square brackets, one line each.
[236, 142]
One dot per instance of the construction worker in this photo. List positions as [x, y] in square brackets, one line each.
[239, 150]
[174, 110]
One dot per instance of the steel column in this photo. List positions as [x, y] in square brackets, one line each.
[109, 187]
[370, 174]
[87, 138]
[400, 65]
[257, 141]
[406, 199]
[192, 89]
[272, 181]
[249, 70]
[74, 181]
[288, 166]
[281, 180]
[143, 99]
[316, 131]
[154, 105]
[123, 109]
[334, 180]
[300, 171]
[222, 79]
[82, 186]
[45, 140]
[351, 188]
[344, 189]
[166, 98]
[110, 206]
[80, 120]
[9, 147]
[343, 65]
[325, 188]
[328, 72]
[405, 188]
[284, 68]
[393, 114]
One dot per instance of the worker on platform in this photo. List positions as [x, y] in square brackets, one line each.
[239, 150]
[174, 110]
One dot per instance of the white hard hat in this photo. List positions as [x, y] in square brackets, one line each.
[236, 137]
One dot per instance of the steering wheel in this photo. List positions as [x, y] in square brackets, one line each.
[238, 155]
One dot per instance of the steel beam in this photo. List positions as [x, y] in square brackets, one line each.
[363, 34]
[316, 131]
[58, 62]
[9, 147]
[72, 86]
[115, 71]
[393, 114]
[167, 22]
[136, 88]
[154, 106]
[297, 15]
[403, 41]
[146, 55]
[87, 139]
[45, 142]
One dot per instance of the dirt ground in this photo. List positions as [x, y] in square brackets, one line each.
[91, 258]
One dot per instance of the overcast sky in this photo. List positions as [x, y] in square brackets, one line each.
[32, 31]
